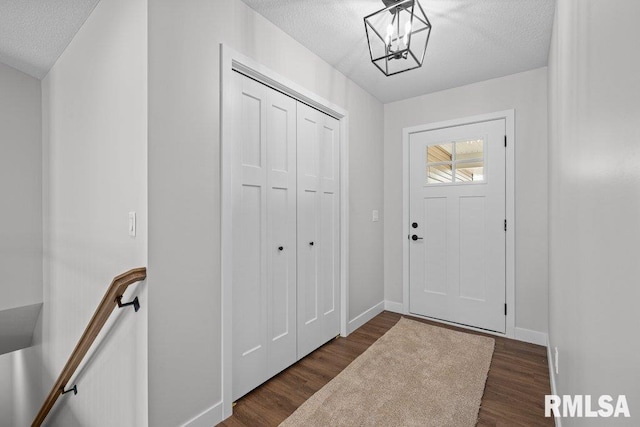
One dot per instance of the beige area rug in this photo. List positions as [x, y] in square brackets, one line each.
[414, 375]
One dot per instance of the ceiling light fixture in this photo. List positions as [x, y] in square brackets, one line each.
[398, 36]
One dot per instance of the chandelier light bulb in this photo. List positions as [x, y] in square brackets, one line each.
[389, 34]
[407, 31]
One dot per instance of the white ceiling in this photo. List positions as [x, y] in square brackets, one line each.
[471, 40]
[34, 33]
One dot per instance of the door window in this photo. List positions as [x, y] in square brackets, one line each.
[456, 162]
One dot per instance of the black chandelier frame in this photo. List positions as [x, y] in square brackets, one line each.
[395, 7]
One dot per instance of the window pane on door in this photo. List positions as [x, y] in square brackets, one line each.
[469, 160]
[439, 174]
[469, 172]
[472, 149]
[440, 153]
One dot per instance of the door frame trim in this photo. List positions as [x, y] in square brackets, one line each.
[231, 60]
[509, 117]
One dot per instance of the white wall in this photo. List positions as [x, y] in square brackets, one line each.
[6, 397]
[21, 379]
[527, 94]
[594, 201]
[21, 392]
[20, 189]
[28, 393]
[20, 221]
[184, 188]
[95, 172]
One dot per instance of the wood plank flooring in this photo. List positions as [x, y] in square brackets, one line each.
[514, 394]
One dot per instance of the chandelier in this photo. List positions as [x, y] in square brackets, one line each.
[397, 36]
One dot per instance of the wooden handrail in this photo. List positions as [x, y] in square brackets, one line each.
[110, 301]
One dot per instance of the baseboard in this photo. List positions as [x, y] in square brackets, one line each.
[395, 307]
[552, 380]
[207, 418]
[363, 318]
[533, 337]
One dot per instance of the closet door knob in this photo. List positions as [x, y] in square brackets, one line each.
[310, 243]
[280, 248]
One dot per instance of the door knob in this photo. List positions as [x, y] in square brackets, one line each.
[414, 238]
[280, 248]
[310, 243]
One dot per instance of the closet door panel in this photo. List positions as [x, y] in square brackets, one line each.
[327, 254]
[309, 123]
[281, 201]
[280, 265]
[309, 310]
[318, 231]
[309, 303]
[250, 238]
[330, 232]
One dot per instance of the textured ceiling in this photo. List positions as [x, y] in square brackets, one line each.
[34, 33]
[471, 40]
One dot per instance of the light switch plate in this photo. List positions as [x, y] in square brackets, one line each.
[375, 216]
[132, 224]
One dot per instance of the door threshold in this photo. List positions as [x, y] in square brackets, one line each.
[460, 325]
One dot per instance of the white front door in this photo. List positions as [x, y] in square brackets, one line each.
[457, 224]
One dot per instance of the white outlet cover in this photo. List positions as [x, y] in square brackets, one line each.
[375, 216]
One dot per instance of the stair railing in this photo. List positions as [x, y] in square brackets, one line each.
[112, 299]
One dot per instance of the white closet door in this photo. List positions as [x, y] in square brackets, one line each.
[281, 214]
[249, 291]
[318, 229]
[264, 218]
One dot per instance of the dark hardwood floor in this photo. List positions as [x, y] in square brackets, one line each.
[514, 393]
